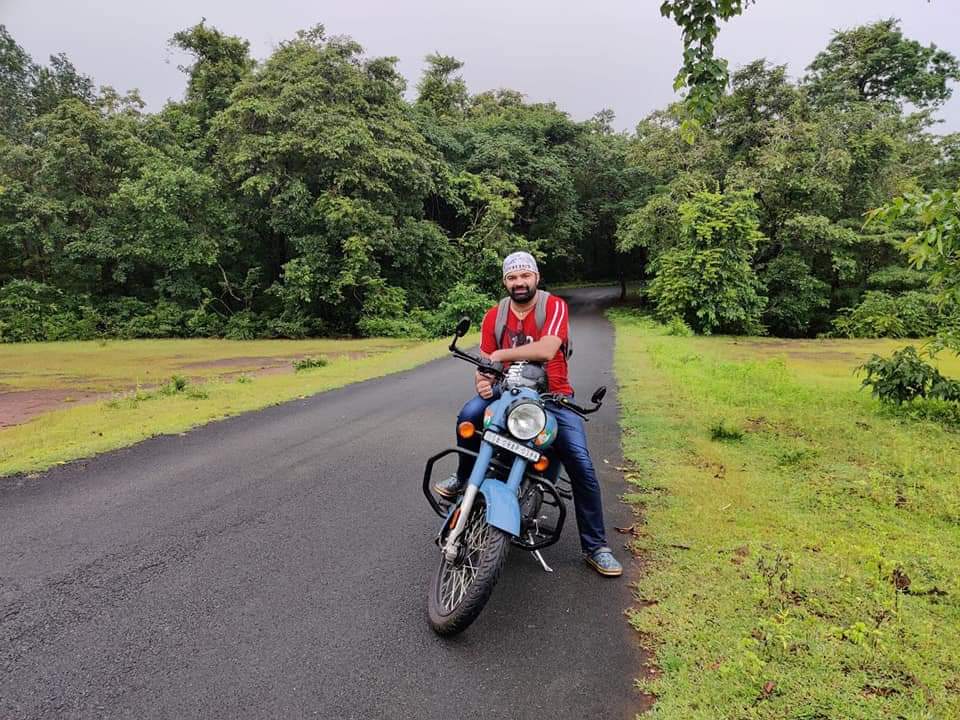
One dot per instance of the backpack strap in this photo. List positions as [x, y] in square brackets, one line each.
[540, 313]
[541, 316]
[501, 324]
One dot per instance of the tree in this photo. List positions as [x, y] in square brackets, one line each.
[328, 173]
[876, 63]
[441, 91]
[60, 81]
[220, 63]
[17, 77]
[707, 279]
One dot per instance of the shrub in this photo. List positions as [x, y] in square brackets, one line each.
[934, 410]
[294, 328]
[23, 306]
[384, 314]
[310, 362]
[720, 432]
[462, 299]
[203, 322]
[400, 327]
[244, 325]
[879, 314]
[676, 326]
[165, 319]
[795, 297]
[905, 376]
[118, 314]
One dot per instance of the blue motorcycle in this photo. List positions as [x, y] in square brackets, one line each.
[508, 500]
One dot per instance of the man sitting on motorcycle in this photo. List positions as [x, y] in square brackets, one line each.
[522, 339]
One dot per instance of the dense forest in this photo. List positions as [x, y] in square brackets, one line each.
[306, 195]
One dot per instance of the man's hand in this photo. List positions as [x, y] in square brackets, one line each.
[484, 386]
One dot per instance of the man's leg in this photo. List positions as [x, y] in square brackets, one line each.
[473, 411]
[572, 451]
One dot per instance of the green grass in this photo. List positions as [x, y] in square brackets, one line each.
[801, 540]
[100, 366]
[175, 403]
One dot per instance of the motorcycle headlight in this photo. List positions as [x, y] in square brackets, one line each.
[526, 421]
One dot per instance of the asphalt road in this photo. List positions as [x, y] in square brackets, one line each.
[276, 565]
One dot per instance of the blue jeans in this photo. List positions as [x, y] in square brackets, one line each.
[570, 448]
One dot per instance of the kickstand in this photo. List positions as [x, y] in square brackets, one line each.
[538, 556]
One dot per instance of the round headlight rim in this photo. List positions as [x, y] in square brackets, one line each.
[542, 422]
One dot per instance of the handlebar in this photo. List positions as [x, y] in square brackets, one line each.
[488, 368]
[484, 366]
[566, 402]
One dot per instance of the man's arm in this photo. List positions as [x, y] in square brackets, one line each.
[488, 343]
[543, 350]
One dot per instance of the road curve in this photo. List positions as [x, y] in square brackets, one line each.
[276, 565]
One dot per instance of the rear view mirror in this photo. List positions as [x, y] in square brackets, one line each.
[463, 326]
[598, 395]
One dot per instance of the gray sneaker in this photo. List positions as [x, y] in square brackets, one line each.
[603, 561]
[449, 488]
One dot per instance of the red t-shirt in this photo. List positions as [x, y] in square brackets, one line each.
[520, 332]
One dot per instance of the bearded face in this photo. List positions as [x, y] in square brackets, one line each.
[521, 285]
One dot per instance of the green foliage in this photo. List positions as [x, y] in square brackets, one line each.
[721, 432]
[813, 170]
[879, 314]
[309, 363]
[655, 226]
[707, 279]
[439, 90]
[243, 325]
[876, 62]
[385, 314]
[905, 376]
[702, 73]
[463, 299]
[795, 295]
[165, 319]
[677, 327]
[304, 195]
[16, 78]
[936, 243]
[897, 279]
[220, 63]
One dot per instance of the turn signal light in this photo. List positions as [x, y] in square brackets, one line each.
[542, 464]
[466, 430]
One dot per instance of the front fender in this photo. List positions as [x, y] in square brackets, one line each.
[503, 507]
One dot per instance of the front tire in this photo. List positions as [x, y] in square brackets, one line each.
[460, 590]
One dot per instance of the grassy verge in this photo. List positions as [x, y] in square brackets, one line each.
[108, 365]
[802, 542]
[84, 430]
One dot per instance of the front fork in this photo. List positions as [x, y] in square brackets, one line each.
[477, 478]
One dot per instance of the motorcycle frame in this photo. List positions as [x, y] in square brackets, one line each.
[445, 511]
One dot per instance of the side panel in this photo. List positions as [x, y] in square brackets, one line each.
[503, 508]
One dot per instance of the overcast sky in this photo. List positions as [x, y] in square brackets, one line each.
[585, 55]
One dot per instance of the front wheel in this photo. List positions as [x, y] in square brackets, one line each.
[460, 589]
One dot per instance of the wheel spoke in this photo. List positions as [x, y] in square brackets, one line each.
[456, 578]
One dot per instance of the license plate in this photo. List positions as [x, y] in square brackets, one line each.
[511, 445]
